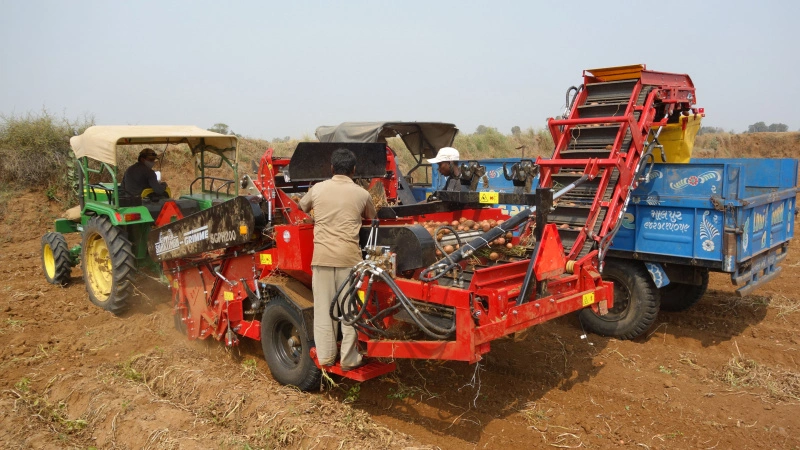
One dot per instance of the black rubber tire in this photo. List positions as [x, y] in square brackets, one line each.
[56, 262]
[681, 296]
[286, 347]
[108, 265]
[636, 302]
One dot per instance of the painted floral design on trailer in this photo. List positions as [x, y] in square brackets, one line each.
[708, 232]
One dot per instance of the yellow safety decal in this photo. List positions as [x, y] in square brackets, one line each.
[266, 259]
[175, 284]
[588, 299]
[228, 296]
[361, 295]
[488, 197]
[242, 229]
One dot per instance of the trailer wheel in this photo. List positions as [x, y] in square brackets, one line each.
[636, 302]
[286, 347]
[682, 296]
[108, 264]
[56, 261]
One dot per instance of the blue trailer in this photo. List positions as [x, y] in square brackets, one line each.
[734, 216]
[689, 218]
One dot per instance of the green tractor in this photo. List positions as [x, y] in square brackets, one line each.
[114, 226]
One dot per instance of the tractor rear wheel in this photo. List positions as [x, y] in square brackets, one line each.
[56, 261]
[636, 302]
[108, 265]
[286, 347]
[682, 296]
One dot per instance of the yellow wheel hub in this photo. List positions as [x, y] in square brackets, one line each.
[99, 272]
[49, 262]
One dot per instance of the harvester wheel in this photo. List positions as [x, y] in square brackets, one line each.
[286, 347]
[108, 264]
[682, 296]
[636, 302]
[56, 261]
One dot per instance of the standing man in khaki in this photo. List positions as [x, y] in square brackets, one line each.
[339, 206]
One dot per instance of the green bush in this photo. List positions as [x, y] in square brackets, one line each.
[35, 152]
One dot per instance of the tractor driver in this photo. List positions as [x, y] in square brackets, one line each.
[339, 206]
[141, 176]
[447, 158]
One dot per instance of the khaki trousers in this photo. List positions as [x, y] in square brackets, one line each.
[325, 281]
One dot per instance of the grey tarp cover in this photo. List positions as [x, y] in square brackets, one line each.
[421, 138]
[100, 142]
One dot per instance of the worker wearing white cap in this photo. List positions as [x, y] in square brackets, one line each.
[447, 158]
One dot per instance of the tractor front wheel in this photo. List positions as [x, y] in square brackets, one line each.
[56, 261]
[108, 265]
[636, 302]
[286, 347]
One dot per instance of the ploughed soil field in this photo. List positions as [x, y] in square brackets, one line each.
[722, 375]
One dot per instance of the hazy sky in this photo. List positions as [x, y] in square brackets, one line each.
[281, 68]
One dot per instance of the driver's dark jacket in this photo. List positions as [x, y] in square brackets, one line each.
[139, 177]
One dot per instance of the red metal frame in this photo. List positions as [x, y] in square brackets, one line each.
[210, 290]
[672, 90]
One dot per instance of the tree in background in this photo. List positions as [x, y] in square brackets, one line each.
[778, 128]
[516, 131]
[709, 130]
[220, 128]
[483, 129]
[761, 127]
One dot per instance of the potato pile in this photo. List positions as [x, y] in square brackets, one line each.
[466, 225]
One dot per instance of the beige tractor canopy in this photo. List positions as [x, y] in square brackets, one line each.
[215, 158]
[100, 142]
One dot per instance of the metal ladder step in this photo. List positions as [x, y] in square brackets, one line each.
[610, 91]
[602, 110]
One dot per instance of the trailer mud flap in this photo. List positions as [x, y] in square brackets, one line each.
[224, 225]
[658, 274]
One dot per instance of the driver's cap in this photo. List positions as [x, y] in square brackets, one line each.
[445, 154]
[148, 153]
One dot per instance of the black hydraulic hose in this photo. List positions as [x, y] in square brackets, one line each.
[567, 101]
[354, 312]
[427, 327]
[361, 311]
[447, 264]
[350, 283]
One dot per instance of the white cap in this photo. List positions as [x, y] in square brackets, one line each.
[445, 154]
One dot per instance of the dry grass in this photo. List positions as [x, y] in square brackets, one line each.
[776, 382]
[540, 419]
[732, 304]
[254, 410]
[55, 415]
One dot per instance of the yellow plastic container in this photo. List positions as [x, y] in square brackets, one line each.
[678, 139]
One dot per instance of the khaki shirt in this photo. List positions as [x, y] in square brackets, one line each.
[339, 205]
